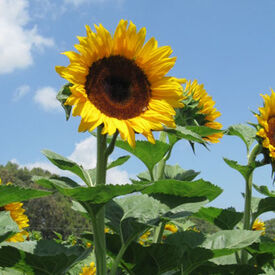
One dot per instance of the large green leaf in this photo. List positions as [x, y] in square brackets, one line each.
[243, 131]
[10, 193]
[230, 239]
[99, 194]
[198, 189]
[264, 190]
[40, 258]
[150, 154]
[69, 165]
[264, 205]
[266, 245]
[8, 227]
[223, 218]
[62, 96]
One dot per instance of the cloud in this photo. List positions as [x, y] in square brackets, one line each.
[77, 3]
[16, 41]
[46, 98]
[85, 154]
[21, 92]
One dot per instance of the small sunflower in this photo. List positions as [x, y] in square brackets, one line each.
[266, 120]
[144, 238]
[121, 82]
[259, 225]
[199, 110]
[171, 227]
[17, 214]
[89, 270]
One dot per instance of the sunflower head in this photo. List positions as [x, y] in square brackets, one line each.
[120, 82]
[171, 227]
[259, 225]
[17, 214]
[198, 110]
[266, 120]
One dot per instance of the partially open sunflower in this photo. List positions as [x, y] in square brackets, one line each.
[199, 110]
[266, 120]
[121, 82]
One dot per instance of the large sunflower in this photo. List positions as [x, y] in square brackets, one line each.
[199, 110]
[266, 119]
[17, 214]
[121, 82]
[89, 270]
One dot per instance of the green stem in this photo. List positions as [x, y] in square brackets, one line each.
[248, 195]
[161, 164]
[99, 216]
[159, 232]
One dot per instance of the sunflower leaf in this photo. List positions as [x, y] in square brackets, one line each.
[99, 194]
[264, 190]
[62, 96]
[150, 154]
[41, 257]
[243, 131]
[9, 194]
[223, 218]
[119, 161]
[67, 164]
[8, 227]
[264, 205]
[198, 189]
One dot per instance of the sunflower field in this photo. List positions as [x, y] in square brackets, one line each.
[119, 85]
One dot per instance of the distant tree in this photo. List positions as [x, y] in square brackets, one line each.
[49, 214]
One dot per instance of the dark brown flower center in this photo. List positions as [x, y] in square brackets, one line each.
[271, 130]
[118, 87]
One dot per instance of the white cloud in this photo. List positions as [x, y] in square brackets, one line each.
[46, 98]
[21, 92]
[16, 41]
[85, 154]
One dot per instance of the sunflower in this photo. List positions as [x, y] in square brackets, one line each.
[266, 120]
[89, 270]
[120, 82]
[258, 225]
[171, 227]
[17, 214]
[199, 110]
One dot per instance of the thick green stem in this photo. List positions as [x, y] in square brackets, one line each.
[248, 195]
[98, 217]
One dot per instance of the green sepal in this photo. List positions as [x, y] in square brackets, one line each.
[62, 96]
[10, 193]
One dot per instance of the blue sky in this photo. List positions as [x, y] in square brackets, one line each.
[226, 45]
